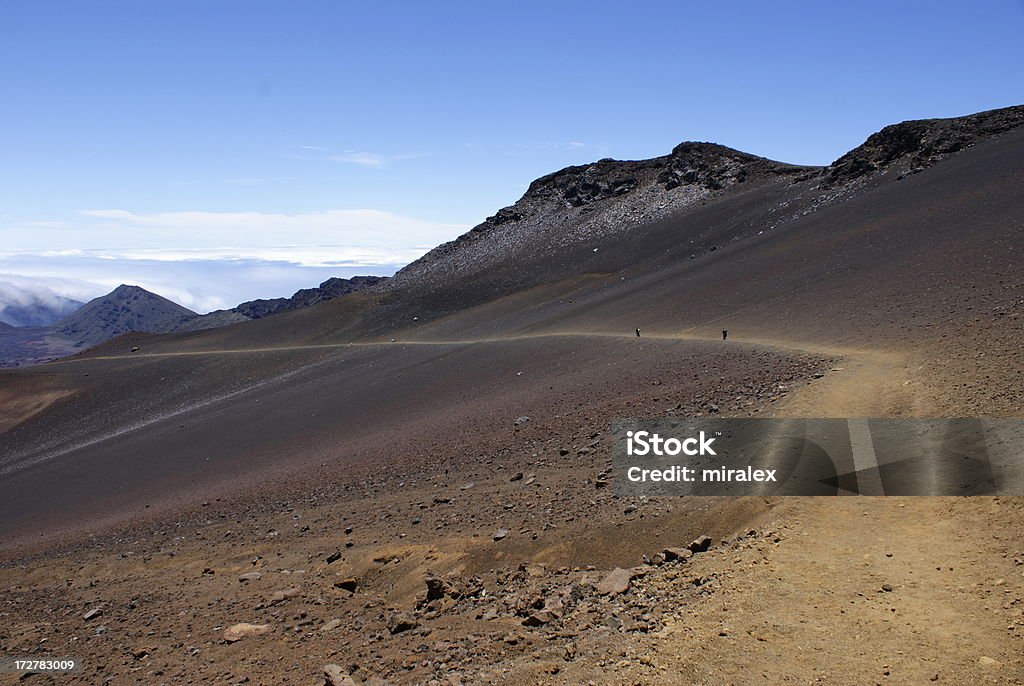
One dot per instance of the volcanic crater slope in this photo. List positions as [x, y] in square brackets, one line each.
[317, 472]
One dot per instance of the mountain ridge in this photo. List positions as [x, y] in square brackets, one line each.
[589, 203]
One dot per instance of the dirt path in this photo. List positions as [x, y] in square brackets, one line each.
[859, 591]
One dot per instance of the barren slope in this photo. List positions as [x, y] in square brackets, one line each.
[257, 446]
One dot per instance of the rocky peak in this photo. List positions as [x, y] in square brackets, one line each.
[919, 143]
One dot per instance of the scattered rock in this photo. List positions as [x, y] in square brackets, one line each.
[552, 611]
[887, 588]
[93, 614]
[521, 420]
[677, 554]
[400, 622]
[437, 588]
[334, 557]
[250, 576]
[700, 544]
[347, 584]
[336, 676]
[243, 630]
[500, 534]
[616, 582]
[284, 594]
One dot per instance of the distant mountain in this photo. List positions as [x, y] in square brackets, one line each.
[306, 297]
[134, 309]
[126, 308]
[20, 306]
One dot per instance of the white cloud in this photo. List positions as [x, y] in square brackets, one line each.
[208, 260]
[365, 159]
[331, 237]
[372, 159]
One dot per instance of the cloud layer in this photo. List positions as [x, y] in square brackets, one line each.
[211, 260]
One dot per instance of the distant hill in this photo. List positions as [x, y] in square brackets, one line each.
[257, 309]
[133, 309]
[126, 308]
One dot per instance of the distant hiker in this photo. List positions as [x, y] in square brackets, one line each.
[638, 333]
[725, 334]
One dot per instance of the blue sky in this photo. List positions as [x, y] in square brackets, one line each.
[156, 142]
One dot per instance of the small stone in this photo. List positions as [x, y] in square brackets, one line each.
[333, 557]
[284, 594]
[500, 534]
[437, 588]
[518, 476]
[401, 622]
[243, 630]
[331, 625]
[521, 420]
[250, 576]
[93, 614]
[887, 588]
[348, 584]
[336, 676]
[616, 582]
[677, 554]
[700, 544]
[989, 662]
[552, 611]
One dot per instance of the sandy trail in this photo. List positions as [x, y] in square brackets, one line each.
[856, 591]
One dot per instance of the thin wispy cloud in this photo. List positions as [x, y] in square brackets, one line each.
[364, 159]
[326, 238]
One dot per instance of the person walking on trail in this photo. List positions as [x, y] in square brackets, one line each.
[638, 333]
[725, 334]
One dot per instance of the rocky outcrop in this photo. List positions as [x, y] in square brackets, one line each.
[915, 145]
[306, 297]
[587, 202]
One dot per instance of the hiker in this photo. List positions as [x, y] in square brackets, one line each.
[638, 333]
[725, 334]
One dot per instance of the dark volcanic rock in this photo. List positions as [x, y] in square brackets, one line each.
[329, 289]
[257, 309]
[919, 144]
